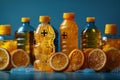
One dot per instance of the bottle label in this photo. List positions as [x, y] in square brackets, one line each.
[64, 35]
[44, 33]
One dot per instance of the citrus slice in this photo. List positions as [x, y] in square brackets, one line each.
[20, 58]
[97, 59]
[4, 59]
[113, 58]
[59, 61]
[76, 58]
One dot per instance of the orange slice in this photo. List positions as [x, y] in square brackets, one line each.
[76, 58]
[20, 58]
[113, 58]
[59, 61]
[97, 59]
[4, 59]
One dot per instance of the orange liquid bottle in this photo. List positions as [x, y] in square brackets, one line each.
[68, 33]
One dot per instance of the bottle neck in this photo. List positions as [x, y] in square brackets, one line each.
[25, 23]
[91, 24]
[71, 19]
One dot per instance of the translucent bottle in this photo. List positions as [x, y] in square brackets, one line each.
[110, 38]
[44, 37]
[68, 33]
[25, 37]
[90, 36]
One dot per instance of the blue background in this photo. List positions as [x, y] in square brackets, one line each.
[105, 11]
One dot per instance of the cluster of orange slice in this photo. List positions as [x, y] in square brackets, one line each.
[61, 62]
[16, 58]
[97, 59]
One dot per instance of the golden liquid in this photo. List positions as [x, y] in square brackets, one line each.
[114, 43]
[68, 36]
[44, 47]
[25, 41]
[90, 38]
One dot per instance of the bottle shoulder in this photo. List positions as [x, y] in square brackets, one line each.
[68, 24]
[91, 30]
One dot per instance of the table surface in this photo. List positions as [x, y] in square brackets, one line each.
[30, 74]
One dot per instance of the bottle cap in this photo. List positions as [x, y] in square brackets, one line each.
[110, 29]
[44, 18]
[68, 15]
[5, 29]
[90, 19]
[25, 19]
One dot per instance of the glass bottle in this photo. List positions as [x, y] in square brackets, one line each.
[25, 37]
[44, 47]
[68, 33]
[90, 36]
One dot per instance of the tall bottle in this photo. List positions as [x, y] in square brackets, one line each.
[25, 37]
[90, 36]
[44, 37]
[68, 33]
[110, 39]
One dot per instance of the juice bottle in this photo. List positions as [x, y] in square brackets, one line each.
[25, 37]
[90, 36]
[68, 33]
[7, 43]
[44, 37]
[110, 38]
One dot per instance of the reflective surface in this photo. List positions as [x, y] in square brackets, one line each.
[30, 74]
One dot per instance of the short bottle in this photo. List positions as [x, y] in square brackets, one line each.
[110, 39]
[91, 35]
[68, 33]
[44, 47]
[25, 37]
[7, 43]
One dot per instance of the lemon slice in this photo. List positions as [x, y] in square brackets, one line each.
[113, 58]
[76, 58]
[97, 59]
[59, 61]
[20, 58]
[4, 59]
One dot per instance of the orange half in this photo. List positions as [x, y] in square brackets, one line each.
[113, 58]
[76, 58]
[4, 59]
[20, 58]
[97, 59]
[59, 61]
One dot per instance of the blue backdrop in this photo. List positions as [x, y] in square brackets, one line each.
[105, 11]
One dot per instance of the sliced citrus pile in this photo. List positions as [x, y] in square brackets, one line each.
[76, 58]
[4, 59]
[113, 58]
[59, 61]
[86, 53]
[97, 59]
[20, 58]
